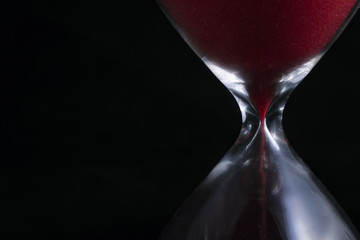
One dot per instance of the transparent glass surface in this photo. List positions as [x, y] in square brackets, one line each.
[260, 50]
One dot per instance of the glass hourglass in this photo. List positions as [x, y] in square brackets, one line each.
[260, 50]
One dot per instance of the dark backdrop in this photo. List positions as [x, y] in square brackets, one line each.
[109, 120]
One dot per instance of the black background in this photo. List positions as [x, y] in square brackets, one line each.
[109, 120]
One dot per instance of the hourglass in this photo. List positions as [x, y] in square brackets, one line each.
[260, 50]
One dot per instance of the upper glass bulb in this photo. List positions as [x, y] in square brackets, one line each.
[258, 40]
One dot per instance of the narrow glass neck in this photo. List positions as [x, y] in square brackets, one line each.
[267, 124]
[262, 133]
[262, 138]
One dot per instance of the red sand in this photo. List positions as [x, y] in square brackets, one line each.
[259, 38]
